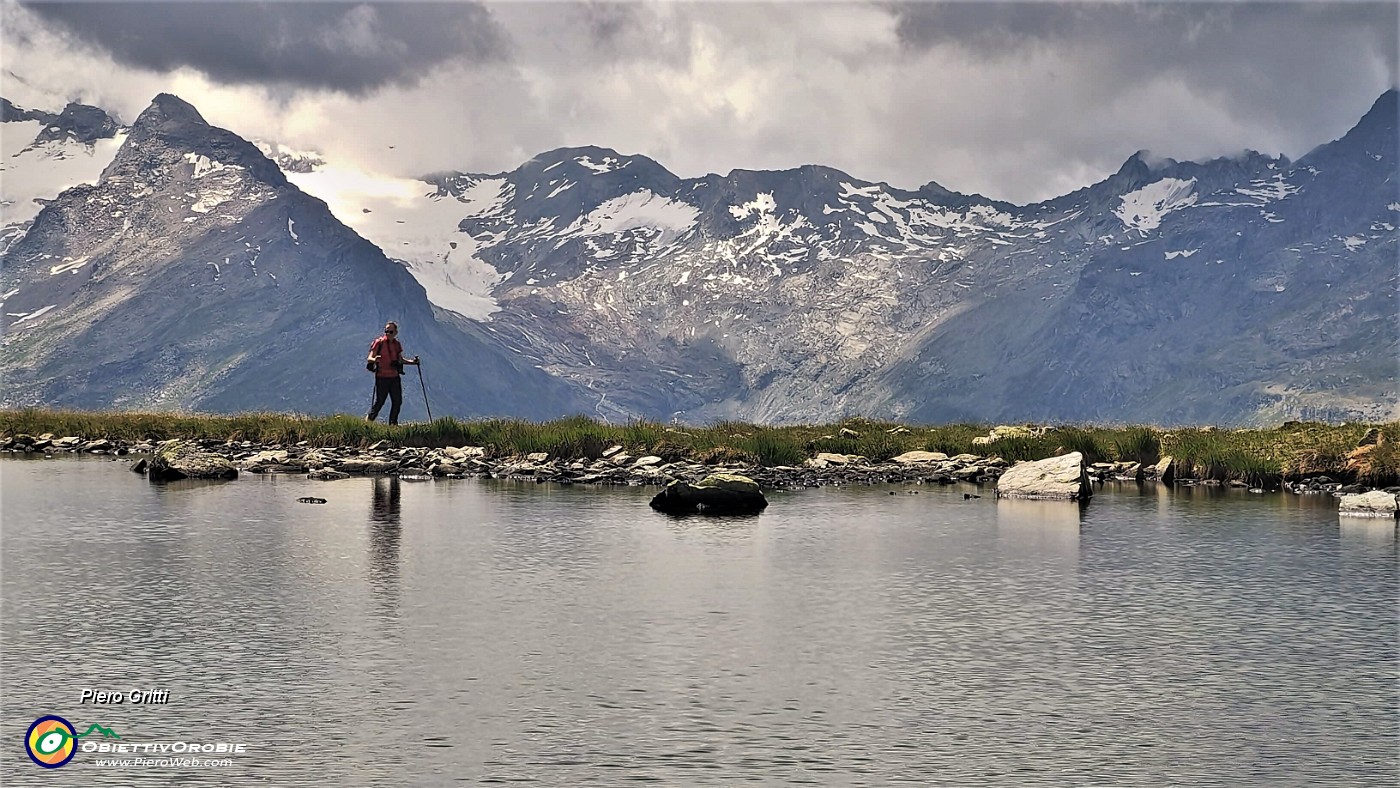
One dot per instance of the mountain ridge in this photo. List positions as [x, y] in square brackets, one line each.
[1233, 290]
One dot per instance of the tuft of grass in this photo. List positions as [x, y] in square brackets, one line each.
[1137, 444]
[771, 447]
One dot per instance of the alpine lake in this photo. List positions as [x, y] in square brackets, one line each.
[473, 632]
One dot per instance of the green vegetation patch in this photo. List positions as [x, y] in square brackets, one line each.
[1257, 456]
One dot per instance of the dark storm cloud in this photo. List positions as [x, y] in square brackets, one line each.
[338, 46]
[1158, 30]
[1241, 46]
[1002, 26]
[608, 23]
[1263, 64]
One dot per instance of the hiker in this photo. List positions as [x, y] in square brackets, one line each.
[386, 361]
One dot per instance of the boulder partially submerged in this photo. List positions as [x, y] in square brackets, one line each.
[1166, 470]
[1060, 478]
[719, 493]
[180, 459]
[1377, 503]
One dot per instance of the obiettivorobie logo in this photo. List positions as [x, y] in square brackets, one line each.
[53, 741]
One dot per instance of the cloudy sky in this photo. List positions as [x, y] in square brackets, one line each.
[1017, 101]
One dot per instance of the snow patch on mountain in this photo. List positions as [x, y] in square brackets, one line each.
[1268, 191]
[69, 264]
[640, 209]
[409, 222]
[608, 164]
[289, 159]
[1144, 209]
[24, 317]
[759, 205]
[30, 172]
[203, 165]
[767, 231]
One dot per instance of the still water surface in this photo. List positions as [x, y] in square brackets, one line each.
[479, 632]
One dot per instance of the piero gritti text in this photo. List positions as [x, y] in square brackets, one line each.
[139, 697]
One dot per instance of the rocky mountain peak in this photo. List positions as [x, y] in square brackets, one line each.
[10, 113]
[1376, 130]
[168, 111]
[594, 162]
[933, 190]
[1372, 139]
[1383, 113]
[79, 123]
[1136, 170]
[170, 129]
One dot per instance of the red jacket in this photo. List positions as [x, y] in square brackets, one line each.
[389, 350]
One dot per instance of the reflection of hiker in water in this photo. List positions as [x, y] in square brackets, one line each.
[384, 533]
[386, 361]
[385, 507]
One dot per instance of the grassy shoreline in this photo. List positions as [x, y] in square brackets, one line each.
[1258, 456]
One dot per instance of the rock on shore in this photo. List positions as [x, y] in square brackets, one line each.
[719, 493]
[185, 460]
[1057, 478]
[1378, 503]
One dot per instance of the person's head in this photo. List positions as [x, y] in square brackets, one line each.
[391, 328]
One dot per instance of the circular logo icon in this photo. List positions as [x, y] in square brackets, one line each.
[50, 742]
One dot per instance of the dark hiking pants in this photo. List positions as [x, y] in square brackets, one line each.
[391, 388]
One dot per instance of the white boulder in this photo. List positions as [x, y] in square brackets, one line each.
[1378, 503]
[1057, 478]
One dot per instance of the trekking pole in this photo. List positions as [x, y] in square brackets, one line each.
[425, 391]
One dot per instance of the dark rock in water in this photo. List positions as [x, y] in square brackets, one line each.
[139, 466]
[719, 493]
[309, 499]
[179, 459]
[327, 475]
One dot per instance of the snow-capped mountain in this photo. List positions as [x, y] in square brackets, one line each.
[192, 275]
[1236, 290]
[43, 153]
[1232, 290]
